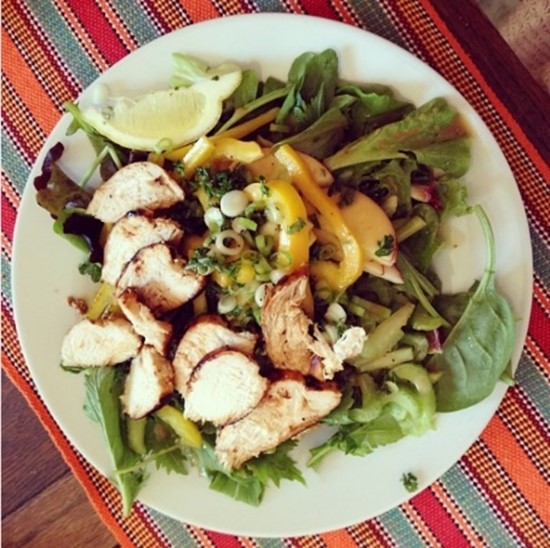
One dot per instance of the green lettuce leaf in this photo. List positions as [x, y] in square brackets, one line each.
[422, 133]
[103, 389]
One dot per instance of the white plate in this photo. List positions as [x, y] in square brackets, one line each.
[347, 489]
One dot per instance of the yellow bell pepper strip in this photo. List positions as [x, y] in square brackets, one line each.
[185, 429]
[243, 152]
[246, 128]
[295, 228]
[337, 277]
[237, 132]
[207, 149]
[197, 155]
[104, 301]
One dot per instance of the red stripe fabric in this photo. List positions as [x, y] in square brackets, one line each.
[101, 32]
[437, 519]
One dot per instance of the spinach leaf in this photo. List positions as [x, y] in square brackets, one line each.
[103, 389]
[313, 78]
[322, 137]
[479, 347]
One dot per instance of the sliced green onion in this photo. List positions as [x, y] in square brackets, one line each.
[213, 219]
[264, 244]
[335, 313]
[226, 304]
[356, 310]
[374, 309]
[281, 259]
[412, 226]
[237, 243]
[240, 224]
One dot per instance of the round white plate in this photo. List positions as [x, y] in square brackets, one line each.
[347, 489]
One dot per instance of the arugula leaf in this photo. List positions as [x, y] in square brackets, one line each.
[103, 389]
[249, 483]
[423, 245]
[480, 345]
[359, 439]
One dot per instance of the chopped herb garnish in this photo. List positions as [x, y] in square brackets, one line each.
[385, 246]
[215, 185]
[410, 481]
[263, 185]
[296, 226]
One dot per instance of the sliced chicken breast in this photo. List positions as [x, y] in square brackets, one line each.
[99, 343]
[288, 408]
[207, 334]
[155, 332]
[150, 379]
[224, 387]
[160, 279]
[137, 186]
[129, 235]
[293, 341]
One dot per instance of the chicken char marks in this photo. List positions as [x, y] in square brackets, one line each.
[289, 408]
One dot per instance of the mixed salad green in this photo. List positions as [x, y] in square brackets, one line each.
[425, 351]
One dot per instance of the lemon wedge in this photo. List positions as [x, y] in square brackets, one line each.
[171, 117]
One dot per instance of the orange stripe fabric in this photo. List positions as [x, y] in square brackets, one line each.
[41, 107]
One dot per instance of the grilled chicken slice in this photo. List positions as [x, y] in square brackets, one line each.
[137, 186]
[151, 378]
[288, 408]
[155, 332]
[160, 279]
[293, 341]
[99, 343]
[129, 235]
[207, 334]
[224, 387]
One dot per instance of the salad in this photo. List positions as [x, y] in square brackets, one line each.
[271, 274]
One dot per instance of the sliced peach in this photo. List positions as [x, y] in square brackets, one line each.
[372, 228]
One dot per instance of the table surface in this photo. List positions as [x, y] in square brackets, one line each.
[40, 495]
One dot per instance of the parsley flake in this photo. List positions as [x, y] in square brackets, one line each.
[385, 246]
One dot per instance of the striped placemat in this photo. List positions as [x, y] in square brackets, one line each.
[498, 493]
